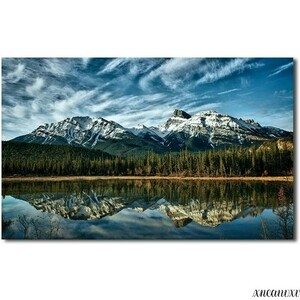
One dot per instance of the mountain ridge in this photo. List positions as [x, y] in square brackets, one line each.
[201, 131]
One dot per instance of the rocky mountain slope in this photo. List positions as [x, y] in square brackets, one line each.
[210, 129]
[204, 130]
[93, 133]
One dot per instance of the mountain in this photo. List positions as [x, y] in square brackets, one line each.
[147, 133]
[204, 130]
[85, 131]
[92, 133]
[210, 129]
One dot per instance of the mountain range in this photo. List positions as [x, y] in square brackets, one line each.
[201, 131]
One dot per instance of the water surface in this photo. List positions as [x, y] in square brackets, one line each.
[147, 209]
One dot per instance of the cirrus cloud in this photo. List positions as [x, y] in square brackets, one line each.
[140, 90]
[35, 88]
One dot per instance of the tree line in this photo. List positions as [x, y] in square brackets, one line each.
[23, 159]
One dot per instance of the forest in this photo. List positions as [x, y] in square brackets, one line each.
[272, 158]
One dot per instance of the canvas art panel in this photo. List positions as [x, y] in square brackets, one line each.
[147, 148]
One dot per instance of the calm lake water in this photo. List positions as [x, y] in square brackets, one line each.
[147, 209]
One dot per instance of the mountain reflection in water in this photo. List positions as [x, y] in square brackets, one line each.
[200, 206]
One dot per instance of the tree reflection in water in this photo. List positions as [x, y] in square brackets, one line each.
[283, 226]
[208, 203]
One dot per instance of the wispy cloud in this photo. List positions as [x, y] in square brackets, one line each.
[132, 90]
[210, 106]
[105, 104]
[113, 65]
[15, 75]
[33, 89]
[285, 94]
[273, 117]
[85, 61]
[280, 69]
[246, 94]
[228, 91]
[204, 97]
[245, 82]
[172, 73]
[72, 105]
[59, 67]
[195, 107]
[216, 70]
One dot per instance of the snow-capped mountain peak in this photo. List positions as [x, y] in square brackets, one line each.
[140, 126]
[145, 132]
[203, 130]
[80, 130]
[214, 129]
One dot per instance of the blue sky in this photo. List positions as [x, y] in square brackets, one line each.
[131, 91]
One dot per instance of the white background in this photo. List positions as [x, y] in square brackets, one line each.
[148, 270]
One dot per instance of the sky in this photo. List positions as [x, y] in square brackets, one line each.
[132, 91]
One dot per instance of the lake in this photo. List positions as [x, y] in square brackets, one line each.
[148, 209]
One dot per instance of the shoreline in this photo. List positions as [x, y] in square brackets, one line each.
[94, 178]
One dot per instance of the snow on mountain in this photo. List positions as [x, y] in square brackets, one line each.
[144, 132]
[203, 130]
[179, 117]
[85, 131]
[206, 121]
[216, 129]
